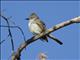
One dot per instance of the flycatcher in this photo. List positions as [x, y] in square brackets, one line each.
[36, 26]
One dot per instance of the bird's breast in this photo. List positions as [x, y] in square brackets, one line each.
[34, 28]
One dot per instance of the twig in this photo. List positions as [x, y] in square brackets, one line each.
[9, 30]
[35, 38]
[1, 42]
[14, 27]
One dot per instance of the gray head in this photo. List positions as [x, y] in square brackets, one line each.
[33, 15]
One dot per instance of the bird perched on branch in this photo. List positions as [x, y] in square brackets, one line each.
[36, 26]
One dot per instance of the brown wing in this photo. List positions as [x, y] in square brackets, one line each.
[41, 24]
[43, 27]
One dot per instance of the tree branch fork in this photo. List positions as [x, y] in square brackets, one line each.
[16, 55]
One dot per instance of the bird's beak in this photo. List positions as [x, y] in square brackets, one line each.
[27, 18]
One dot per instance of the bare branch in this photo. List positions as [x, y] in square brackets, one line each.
[9, 30]
[1, 42]
[35, 38]
[14, 27]
[63, 24]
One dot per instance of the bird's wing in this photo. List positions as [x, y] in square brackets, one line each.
[41, 24]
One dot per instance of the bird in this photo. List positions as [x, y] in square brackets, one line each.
[37, 26]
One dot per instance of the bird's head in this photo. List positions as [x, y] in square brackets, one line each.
[32, 16]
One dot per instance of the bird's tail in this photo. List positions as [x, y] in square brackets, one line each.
[55, 39]
[44, 38]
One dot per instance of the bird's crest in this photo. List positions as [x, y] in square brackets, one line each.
[34, 15]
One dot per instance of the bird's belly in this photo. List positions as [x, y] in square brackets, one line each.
[34, 28]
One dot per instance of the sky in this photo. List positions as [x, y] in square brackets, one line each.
[50, 12]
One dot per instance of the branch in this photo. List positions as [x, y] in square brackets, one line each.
[9, 30]
[14, 27]
[63, 24]
[1, 42]
[17, 54]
